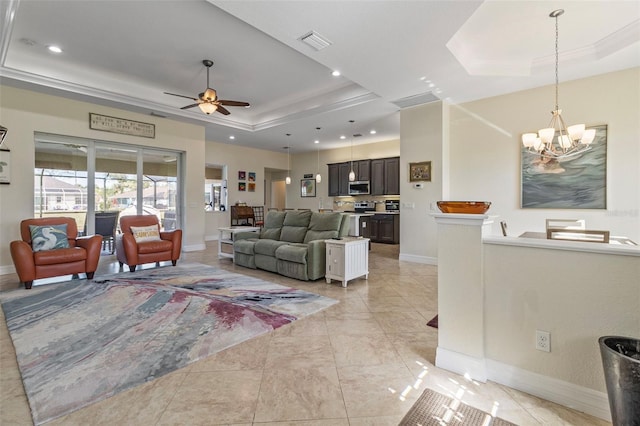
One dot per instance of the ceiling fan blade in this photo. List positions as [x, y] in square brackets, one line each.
[182, 96]
[190, 106]
[223, 110]
[233, 103]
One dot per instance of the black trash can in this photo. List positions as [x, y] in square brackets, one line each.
[621, 363]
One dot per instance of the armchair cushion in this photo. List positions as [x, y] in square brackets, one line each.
[145, 233]
[48, 237]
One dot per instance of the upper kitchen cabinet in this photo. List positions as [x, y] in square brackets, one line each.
[339, 179]
[385, 176]
[362, 169]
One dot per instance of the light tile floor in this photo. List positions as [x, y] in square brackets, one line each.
[361, 362]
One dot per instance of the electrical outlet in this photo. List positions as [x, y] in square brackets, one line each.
[543, 341]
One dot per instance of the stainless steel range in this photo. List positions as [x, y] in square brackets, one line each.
[364, 206]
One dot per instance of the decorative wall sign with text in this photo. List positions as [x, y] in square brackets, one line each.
[121, 125]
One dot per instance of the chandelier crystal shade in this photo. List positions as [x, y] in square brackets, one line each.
[557, 141]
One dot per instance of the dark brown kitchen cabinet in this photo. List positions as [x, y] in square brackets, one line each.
[362, 170]
[385, 176]
[377, 177]
[339, 179]
[334, 180]
[392, 176]
[344, 169]
[384, 228]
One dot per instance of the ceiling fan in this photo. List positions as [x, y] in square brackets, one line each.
[208, 100]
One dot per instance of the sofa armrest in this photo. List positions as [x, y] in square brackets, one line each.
[316, 259]
[245, 235]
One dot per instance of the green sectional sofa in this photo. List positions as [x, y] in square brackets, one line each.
[291, 243]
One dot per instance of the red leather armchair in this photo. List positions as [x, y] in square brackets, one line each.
[133, 253]
[82, 256]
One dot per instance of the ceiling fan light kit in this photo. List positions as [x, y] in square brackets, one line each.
[208, 101]
[571, 140]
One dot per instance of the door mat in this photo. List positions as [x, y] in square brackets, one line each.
[434, 409]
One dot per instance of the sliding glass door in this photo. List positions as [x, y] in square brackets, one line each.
[87, 179]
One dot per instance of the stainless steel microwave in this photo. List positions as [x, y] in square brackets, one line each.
[359, 188]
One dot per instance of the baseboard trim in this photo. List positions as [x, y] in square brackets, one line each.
[570, 395]
[579, 398]
[7, 269]
[194, 247]
[418, 259]
[462, 364]
[211, 237]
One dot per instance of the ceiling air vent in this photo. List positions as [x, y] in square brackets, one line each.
[422, 98]
[315, 40]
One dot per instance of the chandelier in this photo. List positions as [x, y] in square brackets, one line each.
[569, 141]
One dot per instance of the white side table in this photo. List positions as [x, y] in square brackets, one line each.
[347, 259]
[226, 239]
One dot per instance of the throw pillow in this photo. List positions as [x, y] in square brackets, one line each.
[48, 237]
[145, 233]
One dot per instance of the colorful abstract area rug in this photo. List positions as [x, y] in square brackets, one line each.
[435, 409]
[85, 340]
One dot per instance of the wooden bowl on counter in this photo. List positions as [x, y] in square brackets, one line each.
[464, 207]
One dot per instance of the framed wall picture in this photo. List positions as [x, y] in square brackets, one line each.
[578, 182]
[5, 166]
[252, 186]
[420, 172]
[307, 187]
[252, 176]
[242, 175]
[242, 186]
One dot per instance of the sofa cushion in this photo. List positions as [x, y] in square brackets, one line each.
[267, 247]
[267, 263]
[323, 226]
[293, 253]
[272, 225]
[294, 227]
[244, 246]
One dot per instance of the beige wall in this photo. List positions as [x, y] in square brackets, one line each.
[238, 158]
[475, 153]
[485, 150]
[576, 305]
[24, 112]
[424, 138]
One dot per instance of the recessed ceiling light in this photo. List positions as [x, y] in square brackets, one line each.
[54, 49]
[343, 137]
[372, 132]
[432, 85]
[423, 78]
[232, 137]
[336, 73]
[316, 141]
